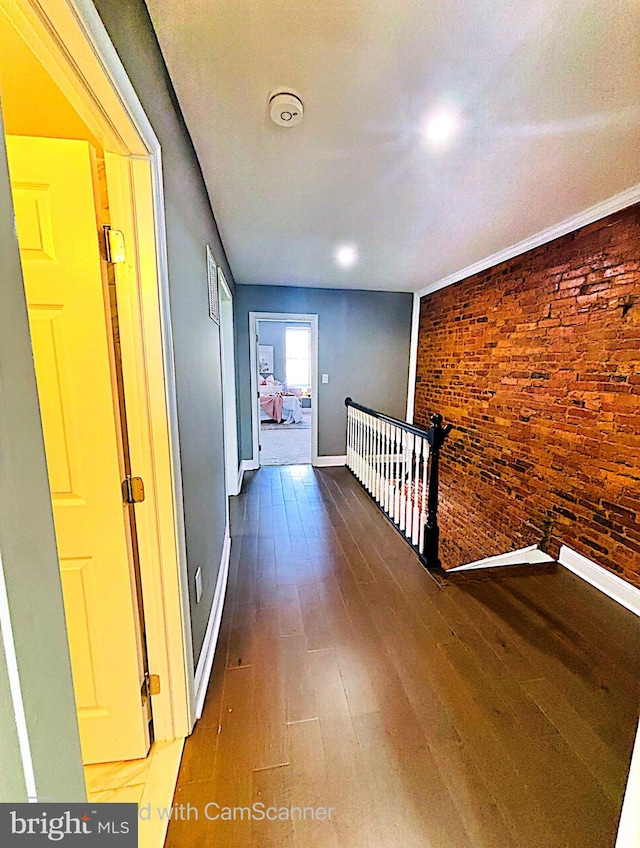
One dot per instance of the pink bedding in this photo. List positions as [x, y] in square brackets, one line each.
[272, 405]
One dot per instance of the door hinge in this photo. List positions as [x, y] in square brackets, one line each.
[150, 686]
[133, 490]
[113, 245]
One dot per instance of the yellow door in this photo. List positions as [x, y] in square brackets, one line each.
[56, 221]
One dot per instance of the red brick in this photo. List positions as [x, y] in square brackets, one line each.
[545, 397]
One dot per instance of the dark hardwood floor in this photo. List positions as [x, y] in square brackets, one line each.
[494, 711]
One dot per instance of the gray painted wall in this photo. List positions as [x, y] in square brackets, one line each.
[363, 345]
[190, 226]
[28, 554]
[12, 784]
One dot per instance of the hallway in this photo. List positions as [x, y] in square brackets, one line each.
[496, 710]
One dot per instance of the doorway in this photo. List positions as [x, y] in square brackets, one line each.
[284, 379]
[77, 161]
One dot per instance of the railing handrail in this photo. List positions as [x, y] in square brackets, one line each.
[416, 429]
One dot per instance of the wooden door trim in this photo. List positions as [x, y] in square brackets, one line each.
[312, 319]
[70, 40]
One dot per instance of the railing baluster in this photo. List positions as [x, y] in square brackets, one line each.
[397, 475]
[362, 450]
[386, 426]
[423, 494]
[354, 443]
[379, 462]
[361, 447]
[409, 519]
[403, 480]
[358, 448]
[370, 424]
[367, 452]
[415, 535]
[374, 457]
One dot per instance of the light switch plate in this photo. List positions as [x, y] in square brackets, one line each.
[198, 585]
[325, 378]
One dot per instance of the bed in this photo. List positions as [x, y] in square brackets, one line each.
[276, 404]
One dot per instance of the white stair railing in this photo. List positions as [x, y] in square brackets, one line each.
[397, 464]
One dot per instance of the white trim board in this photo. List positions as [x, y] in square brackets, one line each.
[158, 792]
[612, 585]
[330, 461]
[207, 653]
[531, 555]
[249, 465]
[594, 213]
[413, 357]
[70, 40]
[282, 317]
[613, 204]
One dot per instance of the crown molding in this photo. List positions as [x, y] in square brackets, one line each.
[613, 204]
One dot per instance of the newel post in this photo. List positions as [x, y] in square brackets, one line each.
[436, 434]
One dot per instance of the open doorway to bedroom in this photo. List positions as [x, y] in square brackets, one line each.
[284, 384]
[284, 366]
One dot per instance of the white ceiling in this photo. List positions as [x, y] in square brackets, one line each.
[549, 91]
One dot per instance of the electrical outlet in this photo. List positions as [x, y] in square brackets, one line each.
[198, 585]
[325, 378]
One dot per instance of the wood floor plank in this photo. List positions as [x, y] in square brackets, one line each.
[269, 710]
[309, 787]
[271, 794]
[300, 700]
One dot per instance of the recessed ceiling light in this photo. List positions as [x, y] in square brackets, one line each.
[346, 255]
[442, 127]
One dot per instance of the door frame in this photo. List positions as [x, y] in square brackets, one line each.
[228, 369]
[71, 42]
[292, 317]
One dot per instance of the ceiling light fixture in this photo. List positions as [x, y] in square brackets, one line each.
[442, 127]
[346, 256]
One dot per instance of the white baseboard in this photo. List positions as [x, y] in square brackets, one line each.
[330, 461]
[531, 555]
[612, 585]
[205, 660]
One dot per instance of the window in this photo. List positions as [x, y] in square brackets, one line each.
[298, 355]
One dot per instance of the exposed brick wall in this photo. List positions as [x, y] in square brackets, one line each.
[537, 364]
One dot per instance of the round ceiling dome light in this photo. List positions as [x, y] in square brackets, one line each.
[346, 255]
[285, 108]
[443, 127]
